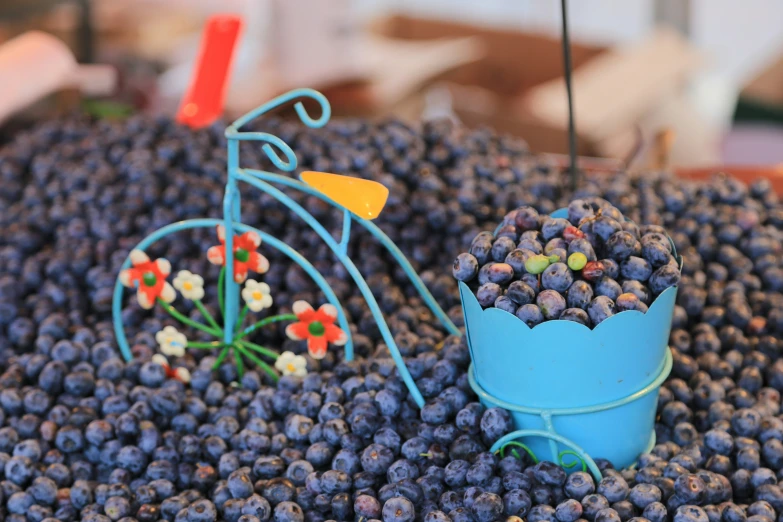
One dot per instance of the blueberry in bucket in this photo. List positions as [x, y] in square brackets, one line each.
[563, 263]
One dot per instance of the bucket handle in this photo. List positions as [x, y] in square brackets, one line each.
[510, 440]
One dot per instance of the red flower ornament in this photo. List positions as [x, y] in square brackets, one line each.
[317, 326]
[180, 374]
[149, 278]
[245, 256]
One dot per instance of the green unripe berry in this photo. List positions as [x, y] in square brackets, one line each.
[537, 264]
[577, 261]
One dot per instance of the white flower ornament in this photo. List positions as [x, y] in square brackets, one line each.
[171, 341]
[290, 364]
[190, 285]
[257, 295]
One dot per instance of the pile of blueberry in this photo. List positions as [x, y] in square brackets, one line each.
[584, 268]
[86, 436]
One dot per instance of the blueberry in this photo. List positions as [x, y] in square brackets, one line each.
[582, 246]
[643, 495]
[629, 301]
[43, 491]
[257, 506]
[520, 293]
[608, 287]
[663, 278]
[614, 488]
[655, 512]
[579, 295]
[604, 227]
[551, 304]
[488, 293]
[690, 488]
[506, 304]
[502, 247]
[202, 510]
[516, 259]
[600, 309]
[622, 245]
[526, 218]
[568, 511]
[579, 209]
[487, 507]
[117, 508]
[635, 268]
[638, 289]
[690, 514]
[398, 509]
[19, 470]
[465, 267]
[553, 227]
[592, 504]
[558, 277]
[288, 512]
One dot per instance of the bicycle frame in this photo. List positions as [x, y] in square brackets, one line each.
[263, 180]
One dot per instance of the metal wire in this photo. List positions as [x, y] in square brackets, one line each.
[567, 73]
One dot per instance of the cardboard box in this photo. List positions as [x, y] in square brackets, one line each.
[761, 99]
[516, 87]
[486, 91]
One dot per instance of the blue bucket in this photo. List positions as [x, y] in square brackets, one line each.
[601, 382]
[619, 430]
[564, 364]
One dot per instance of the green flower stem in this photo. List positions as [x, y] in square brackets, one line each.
[257, 348]
[240, 363]
[207, 315]
[186, 320]
[241, 319]
[207, 346]
[263, 322]
[221, 277]
[261, 364]
[221, 357]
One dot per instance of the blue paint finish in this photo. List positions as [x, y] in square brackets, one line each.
[326, 110]
[346, 235]
[541, 366]
[231, 290]
[119, 329]
[595, 428]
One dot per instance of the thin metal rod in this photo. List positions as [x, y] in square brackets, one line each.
[567, 74]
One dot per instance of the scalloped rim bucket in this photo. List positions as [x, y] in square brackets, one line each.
[593, 428]
[564, 364]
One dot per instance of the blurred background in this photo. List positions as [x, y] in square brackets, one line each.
[709, 70]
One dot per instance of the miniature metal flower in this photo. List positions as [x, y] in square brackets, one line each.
[290, 364]
[172, 342]
[180, 374]
[256, 295]
[149, 277]
[317, 327]
[190, 285]
[245, 255]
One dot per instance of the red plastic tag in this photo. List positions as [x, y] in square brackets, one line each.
[205, 97]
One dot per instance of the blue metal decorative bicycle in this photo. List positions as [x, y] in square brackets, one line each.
[237, 256]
